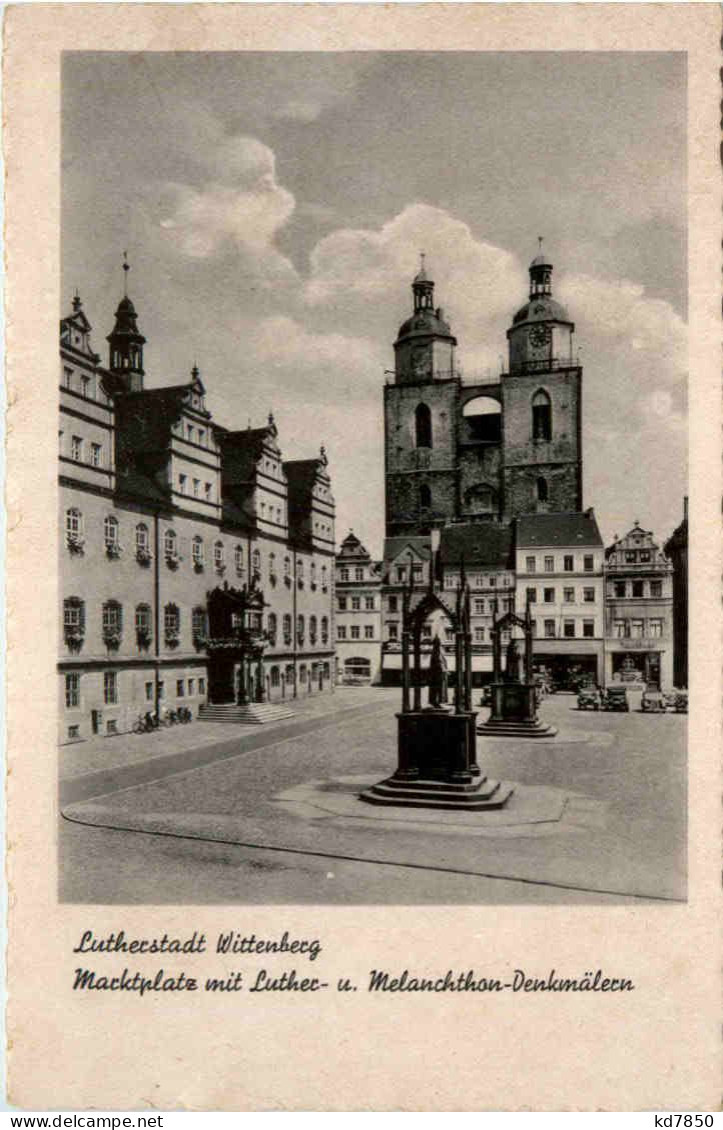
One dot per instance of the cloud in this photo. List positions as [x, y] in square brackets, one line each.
[241, 207]
[362, 274]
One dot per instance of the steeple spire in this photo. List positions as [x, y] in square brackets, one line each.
[126, 341]
[540, 273]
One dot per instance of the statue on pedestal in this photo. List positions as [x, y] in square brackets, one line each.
[437, 676]
[512, 669]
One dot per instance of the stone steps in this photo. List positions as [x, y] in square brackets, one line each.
[483, 794]
[253, 713]
[506, 729]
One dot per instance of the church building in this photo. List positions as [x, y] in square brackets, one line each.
[481, 457]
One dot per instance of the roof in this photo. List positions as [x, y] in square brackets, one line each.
[393, 547]
[241, 451]
[352, 549]
[563, 529]
[425, 323]
[678, 539]
[541, 308]
[487, 544]
[132, 481]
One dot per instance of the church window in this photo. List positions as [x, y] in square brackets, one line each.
[425, 497]
[541, 416]
[423, 425]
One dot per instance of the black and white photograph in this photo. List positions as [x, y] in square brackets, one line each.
[373, 478]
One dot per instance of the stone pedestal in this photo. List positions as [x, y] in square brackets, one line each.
[437, 765]
[514, 713]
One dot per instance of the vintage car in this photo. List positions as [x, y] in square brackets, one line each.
[588, 698]
[681, 702]
[616, 698]
[653, 701]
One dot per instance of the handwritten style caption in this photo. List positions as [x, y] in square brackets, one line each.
[299, 978]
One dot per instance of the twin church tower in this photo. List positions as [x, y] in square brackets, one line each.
[469, 452]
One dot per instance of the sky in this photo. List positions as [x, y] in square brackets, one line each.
[273, 207]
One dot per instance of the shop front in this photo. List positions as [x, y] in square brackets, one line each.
[643, 661]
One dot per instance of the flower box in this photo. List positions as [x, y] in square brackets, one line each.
[198, 566]
[113, 550]
[200, 641]
[143, 636]
[173, 560]
[75, 544]
[171, 638]
[112, 639]
[144, 556]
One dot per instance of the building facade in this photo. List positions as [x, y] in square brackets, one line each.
[559, 565]
[467, 465]
[358, 613]
[676, 547]
[638, 611]
[160, 508]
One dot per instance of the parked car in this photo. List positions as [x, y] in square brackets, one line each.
[616, 698]
[653, 701]
[588, 698]
[670, 698]
[681, 702]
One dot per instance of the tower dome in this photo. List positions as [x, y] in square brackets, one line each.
[126, 343]
[425, 344]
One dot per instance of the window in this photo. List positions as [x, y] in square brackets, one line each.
[182, 484]
[549, 595]
[451, 580]
[588, 562]
[588, 629]
[74, 527]
[531, 595]
[655, 628]
[96, 452]
[342, 604]
[72, 689]
[479, 607]
[110, 688]
[272, 627]
[143, 619]
[356, 603]
[343, 574]
[191, 687]
[197, 553]
[426, 631]
[568, 563]
[393, 631]
[417, 572]
[636, 629]
[620, 589]
[202, 686]
[207, 491]
[170, 544]
[645, 555]
[550, 629]
[142, 538]
[638, 588]
[190, 433]
[588, 596]
[312, 630]
[180, 689]
[219, 557]
[530, 565]
[201, 436]
[110, 532]
[196, 487]
[568, 595]
[112, 618]
[171, 622]
[393, 603]
[341, 631]
[198, 623]
[568, 629]
[111, 726]
[287, 628]
[369, 603]
[274, 677]
[302, 673]
[76, 448]
[492, 582]
[68, 378]
[541, 416]
[368, 631]
[620, 629]
[149, 692]
[549, 564]
[423, 426]
[656, 588]
[479, 635]
[355, 632]
[630, 556]
[324, 578]
[238, 556]
[401, 573]
[256, 563]
[359, 573]
[425, 497]
[542, 490]
[300, 628]
[325, 629]
[300, 573]
[161, 690]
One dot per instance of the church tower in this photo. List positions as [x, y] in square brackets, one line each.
[542, 405]
[420, 415]
[126, 343]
